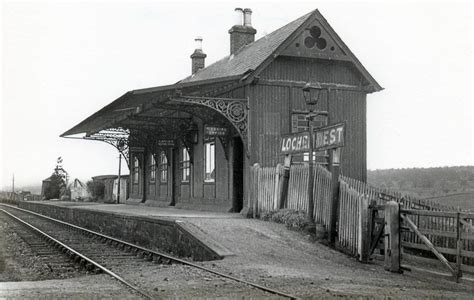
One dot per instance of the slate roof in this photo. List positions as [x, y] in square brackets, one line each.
[248, 57]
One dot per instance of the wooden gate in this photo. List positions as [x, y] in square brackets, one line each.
[376, 225]
[444, 235]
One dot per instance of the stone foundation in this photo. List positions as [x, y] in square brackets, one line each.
[170, 236]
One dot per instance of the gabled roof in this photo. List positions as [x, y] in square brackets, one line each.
[249, 57]
[252, 58]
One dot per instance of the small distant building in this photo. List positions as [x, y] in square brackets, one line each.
[123, 189]
[110, 187]
[44, 186]
[79, 191]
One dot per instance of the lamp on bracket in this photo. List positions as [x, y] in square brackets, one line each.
[311, 93]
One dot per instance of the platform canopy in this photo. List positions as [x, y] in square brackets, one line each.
[143, 117]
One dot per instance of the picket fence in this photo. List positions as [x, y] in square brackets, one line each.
[265, 190]
[354, 200]
[265, 193]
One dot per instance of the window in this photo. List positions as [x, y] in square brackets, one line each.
[136, 169]
[163, 167]
[152, 168]
[209, 161]
[185, 166]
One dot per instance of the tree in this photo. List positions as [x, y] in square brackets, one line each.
[58, 182]
[96, 188]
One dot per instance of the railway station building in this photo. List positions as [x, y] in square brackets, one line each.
[191, 144]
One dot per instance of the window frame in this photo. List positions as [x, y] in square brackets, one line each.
[163, 167]
[185, 165]
[136, 170]
[211, 159]
[152, 168]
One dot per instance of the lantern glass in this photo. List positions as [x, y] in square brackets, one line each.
[311, 95]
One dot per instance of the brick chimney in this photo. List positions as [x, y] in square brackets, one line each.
[198, 57]
[242, 33]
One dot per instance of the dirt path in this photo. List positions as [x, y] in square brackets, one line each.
[289, 260]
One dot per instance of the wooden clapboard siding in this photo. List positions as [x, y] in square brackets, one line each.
[316, 70]
[271, 106]
[269, 115]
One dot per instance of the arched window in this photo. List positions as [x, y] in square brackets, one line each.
[152, 168]
[185, 165]
[136, 169]
[163, 167]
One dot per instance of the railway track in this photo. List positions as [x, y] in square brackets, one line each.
[98, 253]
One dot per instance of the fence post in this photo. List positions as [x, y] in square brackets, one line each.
[285, 181]
[334, 206]
[276, 188]
[392, 236]
[255, 186]
[363, 237]
[458, 246]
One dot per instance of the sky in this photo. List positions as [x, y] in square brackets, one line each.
[63, 60]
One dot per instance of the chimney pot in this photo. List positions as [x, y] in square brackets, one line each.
[198, 43]
[242, 34]
[248, 17]
[238, 16]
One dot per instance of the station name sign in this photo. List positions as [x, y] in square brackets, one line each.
[295, 143]
[329, 137]
[166, 143]
[324, 138]
[215, 131]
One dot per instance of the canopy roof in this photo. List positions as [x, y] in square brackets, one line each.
[231, 71]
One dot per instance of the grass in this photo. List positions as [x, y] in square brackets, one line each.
[463, 200]
[293, 219]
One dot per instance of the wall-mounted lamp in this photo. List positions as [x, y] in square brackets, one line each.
[311, 93]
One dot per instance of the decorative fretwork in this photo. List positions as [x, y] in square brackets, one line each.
[234, 110]
[117, 137]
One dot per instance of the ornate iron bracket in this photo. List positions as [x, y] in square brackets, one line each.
[234, 110]
[117, 137]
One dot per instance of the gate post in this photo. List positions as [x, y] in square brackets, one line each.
[285, 181]
[392, 237]
[334, 167]
[364, 233]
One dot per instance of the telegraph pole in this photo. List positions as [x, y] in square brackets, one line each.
[118, 184]
[13, 183]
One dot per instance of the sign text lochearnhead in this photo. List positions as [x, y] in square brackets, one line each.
[329, 137]
[295, 143]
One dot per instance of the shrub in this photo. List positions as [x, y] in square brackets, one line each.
[96, 188]
[293, 219]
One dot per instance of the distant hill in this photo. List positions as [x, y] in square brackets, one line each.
[447, 185]
[34, 189]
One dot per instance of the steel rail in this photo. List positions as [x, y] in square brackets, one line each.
[74, 252]
[159, 254]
